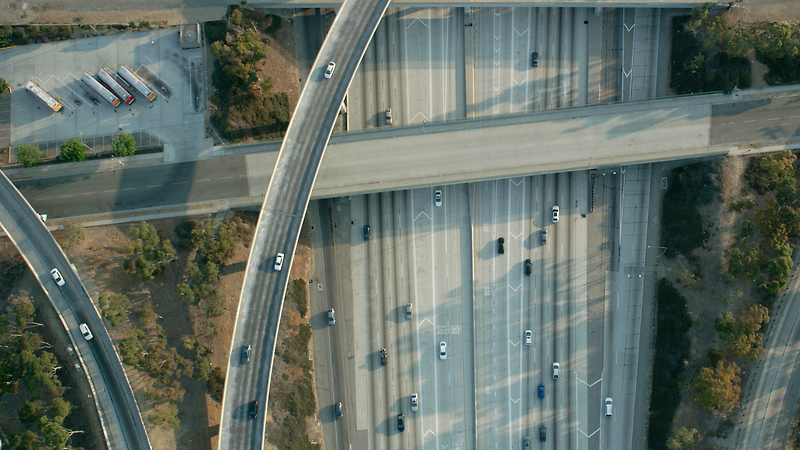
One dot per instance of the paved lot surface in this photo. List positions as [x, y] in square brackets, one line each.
[176, 116]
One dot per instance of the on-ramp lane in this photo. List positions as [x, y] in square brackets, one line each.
[282, 215]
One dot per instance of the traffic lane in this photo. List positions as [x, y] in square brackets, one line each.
[136, 187]
[328, 368]
[745, 121]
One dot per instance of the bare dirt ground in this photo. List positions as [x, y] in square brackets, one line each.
[99, 261]
[280, 63]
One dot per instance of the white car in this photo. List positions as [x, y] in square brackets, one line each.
[528, 337]
[608, 406]
[85, 332]
[57, 277]
[279, 262]
[414, 402]
[438, 198]
[442, 350]
[556, 210]
[329, 70]
[555, 370]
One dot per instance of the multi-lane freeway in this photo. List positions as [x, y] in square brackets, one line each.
[445, 261]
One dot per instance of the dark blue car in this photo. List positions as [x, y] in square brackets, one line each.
[541, 390]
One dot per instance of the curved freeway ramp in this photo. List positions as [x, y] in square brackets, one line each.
[278, 228]
[117, 409]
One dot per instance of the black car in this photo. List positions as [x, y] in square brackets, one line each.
[401, 425]
[254, 409]
[246, 354]
[542, 433]
[544, 236]
[501, 245]
[384, 357]
[338, 410]
[528, 267]
[535, 59]
[366, 232]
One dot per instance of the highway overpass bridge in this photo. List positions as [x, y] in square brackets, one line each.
[390, 158]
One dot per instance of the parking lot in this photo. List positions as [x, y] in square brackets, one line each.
[176, 117]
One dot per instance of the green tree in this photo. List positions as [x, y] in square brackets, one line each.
[123, 145]
[719, 387]
[193, 272]
[29, 155]
[746, 342]
[238, 55]
[210, 272]
[185, 292]
[216, 246]
[31, 411]
[150, 254]
[73, 150]
[726, 326]
[5, 40]
[54, 434]
[189, 343]
[147, 315]
[131, 349]
[166, 416]
[772, 173]
[684, 439]
[26, 440]
[61, 408]
[114, 307]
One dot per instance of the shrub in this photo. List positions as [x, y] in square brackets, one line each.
[5, 37]
[29, 155]
[216, 383]
[4, 87]
[671, 352]
[299, 293]
[683, 228]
